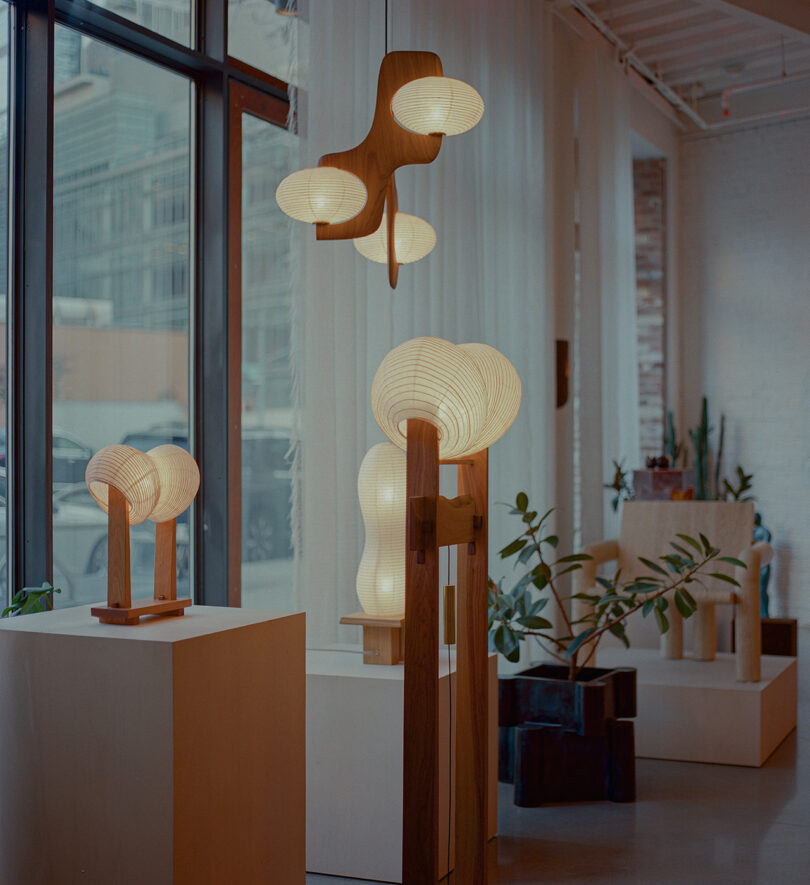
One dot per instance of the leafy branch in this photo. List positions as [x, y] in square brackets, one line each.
[516, 614]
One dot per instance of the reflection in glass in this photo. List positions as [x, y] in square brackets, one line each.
[267, 568]
[263, 34]
[169, 18]
[121, 292]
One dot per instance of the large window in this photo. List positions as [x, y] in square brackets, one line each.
[267, 574]
[121, 291]
[124, 320]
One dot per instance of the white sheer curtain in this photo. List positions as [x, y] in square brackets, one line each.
[485, 281]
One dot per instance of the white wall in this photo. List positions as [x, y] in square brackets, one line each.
[745, 286]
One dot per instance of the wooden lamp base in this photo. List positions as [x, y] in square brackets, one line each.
[112, 614]
[382, 637]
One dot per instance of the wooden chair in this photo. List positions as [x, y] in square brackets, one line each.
[646, 530]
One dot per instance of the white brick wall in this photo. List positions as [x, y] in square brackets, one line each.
[745, 284]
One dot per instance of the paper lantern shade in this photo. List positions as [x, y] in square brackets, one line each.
[436, 381]
[131, 472]
[179, 479]
[503, 393]
[437, 106]
[414, 238]
[323, 195]
[381, 488]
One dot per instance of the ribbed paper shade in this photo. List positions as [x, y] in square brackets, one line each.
[437, 105]
[413, 239]
[431, 379]
[179, 479]
[322, 194]
[131, 472]
[503, 393]
[381, 573]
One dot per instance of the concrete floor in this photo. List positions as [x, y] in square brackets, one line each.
[693, 823]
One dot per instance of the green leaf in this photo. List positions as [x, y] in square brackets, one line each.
[733, 561]
[725, 578]
[522, 501]
[687, 596]
[654, 566]
[608, 585]
[574, 557]
[539, 605]
[506, 642]
[691, 541]
[682, 605]
[577, 642]
[662, 621]
[526, 554]
[648, 606]
[661, 604]
[551, 540]
[618, 631]
[571, 568]
[707, 547]
[680, 550]
[532, 622]
[511, 549]
[641, 587]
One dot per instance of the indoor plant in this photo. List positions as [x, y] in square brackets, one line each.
[563, 734]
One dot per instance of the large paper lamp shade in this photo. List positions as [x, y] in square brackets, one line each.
[323, 195]
[381, 488]
[179, 479]
[437, 106]
[436, 381]
[413, 239]
[131, 472]
[503, 393]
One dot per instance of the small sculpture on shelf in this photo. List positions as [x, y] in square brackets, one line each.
[131, 486]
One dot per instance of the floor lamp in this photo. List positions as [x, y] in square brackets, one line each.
[445, 404]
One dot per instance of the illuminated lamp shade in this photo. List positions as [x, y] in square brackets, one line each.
[179, 479]
[503, 393]
[437, 106]
[436, 381]
[323, 195]
[131, 472]
[413, 239]
[381, 573]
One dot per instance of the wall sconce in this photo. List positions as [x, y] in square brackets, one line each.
[131, 486]
[428, 105]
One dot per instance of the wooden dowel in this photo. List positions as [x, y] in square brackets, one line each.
[166, 560]
[118, 587]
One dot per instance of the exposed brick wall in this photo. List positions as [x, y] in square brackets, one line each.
[745, 284]
[649, 189]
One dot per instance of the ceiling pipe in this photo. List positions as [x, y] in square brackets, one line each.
[627, 57]
[725, 95]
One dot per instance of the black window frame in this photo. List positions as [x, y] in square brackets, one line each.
[216, 403]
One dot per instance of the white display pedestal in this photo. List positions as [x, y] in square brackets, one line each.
[696, 711]
[354, 764]
[168, 752]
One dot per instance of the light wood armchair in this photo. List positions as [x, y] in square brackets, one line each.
[646, 530]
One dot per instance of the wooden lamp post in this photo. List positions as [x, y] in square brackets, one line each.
[446, 404]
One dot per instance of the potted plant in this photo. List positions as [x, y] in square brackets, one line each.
[30, 600]
[563, 729]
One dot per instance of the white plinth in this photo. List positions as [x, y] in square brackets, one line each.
[696, 711]
[169, 752]
[354, 765]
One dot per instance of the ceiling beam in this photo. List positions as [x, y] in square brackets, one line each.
[790, 17]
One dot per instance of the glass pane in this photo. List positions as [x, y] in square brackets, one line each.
[267, 572]
[169, 18]
[121, 228]
[262, 33]
[4, 281]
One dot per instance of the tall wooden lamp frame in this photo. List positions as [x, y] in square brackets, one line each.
[435, 522]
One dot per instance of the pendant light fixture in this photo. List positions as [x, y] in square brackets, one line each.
[414, 238]
[437, 106]
[449, 107]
